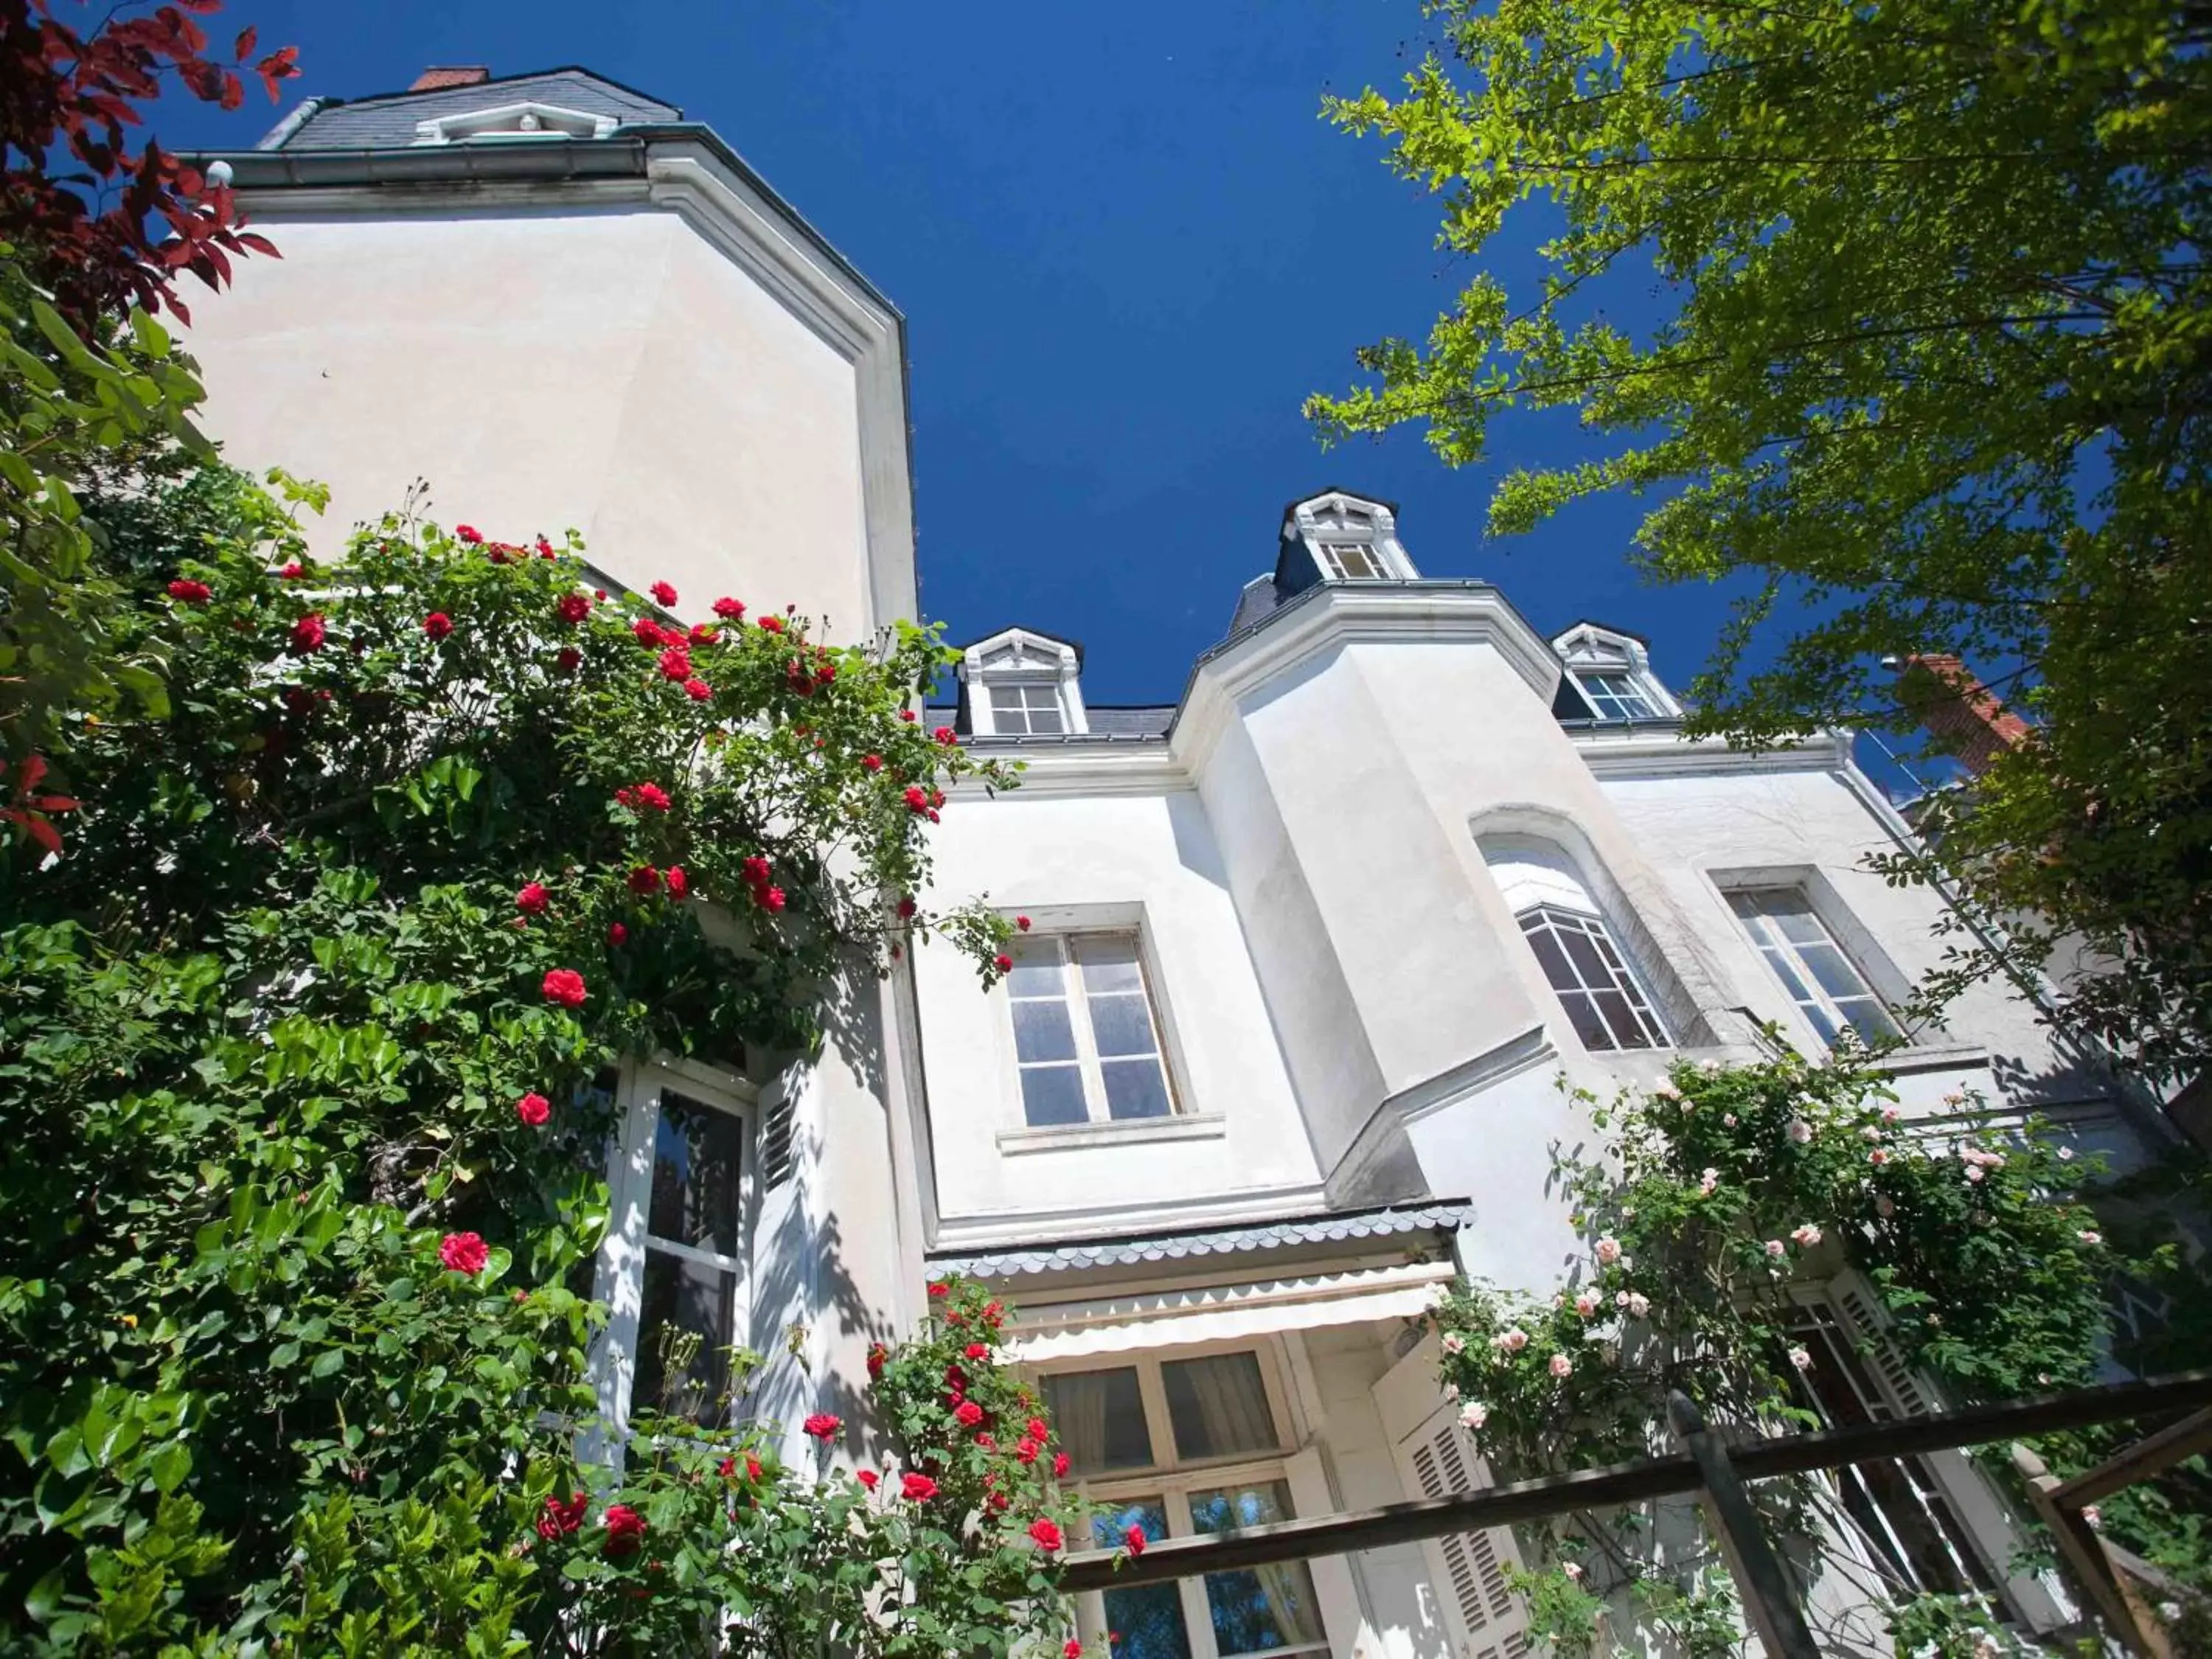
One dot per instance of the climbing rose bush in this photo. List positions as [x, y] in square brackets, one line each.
[301, 1174]
[1711, 1199]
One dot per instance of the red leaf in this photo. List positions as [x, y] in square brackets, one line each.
[234, 91]
[258, 243]
[245, 39]
[33, 769]
[44, 833]
[54, 803]
[184, 315]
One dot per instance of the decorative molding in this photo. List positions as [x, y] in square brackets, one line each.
[1643, 753]
[1022, 656]
[1304, 523]
[524, 122]
[1138, 1131]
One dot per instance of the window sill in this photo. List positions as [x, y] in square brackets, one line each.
[1933, 1057]
[1070, 1137]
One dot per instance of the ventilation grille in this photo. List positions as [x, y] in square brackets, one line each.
[1478, 1582]
[775, 1157]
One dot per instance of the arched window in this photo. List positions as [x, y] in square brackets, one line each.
[1598, 989]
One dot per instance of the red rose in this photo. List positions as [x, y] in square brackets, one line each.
[905, 909]
[772, 899]
[1134, 1538]
[969, 1413]
[662, 594]
[600, 594]
[1022, 923]
[1000, 1501]
[917, 799]
[976, 1351]
[940, 1288]
[987, 1442]
[465, 1253]
[625, 1529]
[1046, 1532]
[569, 660]
[918, 1489]
[617, 934]
[533, 897]
[730, 610]
[558, 1518]
[467, 533]
[437, 624]
[499, 551]
[297, 700]
[955, 1378]
[545, 548]
[679, 883]
[773, 625]
[867, 1478]
[993, 1311]
[1074, 1650]
[645, 879]
[726, 1468]
[825, 671]
[945, 735]
[1003, 962]
[293, 571]
[533, 1109]
[698, 690]
[573, 607]
[308, 632]
[822, 1426]
[1027, 1449]
[1060, 1465]
[642, 797]
[752, 1468]
[1039, 1430]
[872, 762]
[877, 1355]
[906, 714]
[646, 632]
[190, 591]
[676, 663]
[565, 986]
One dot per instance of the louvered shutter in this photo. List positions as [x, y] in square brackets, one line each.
[1906, 1397]
[1437, 1458]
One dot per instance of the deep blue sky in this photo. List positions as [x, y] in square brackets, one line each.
[1126, 248]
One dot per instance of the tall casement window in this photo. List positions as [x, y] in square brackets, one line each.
[1178, 1447]
[672, 1272]
[1598, 989]
[1086, 1041]
[1824, 983]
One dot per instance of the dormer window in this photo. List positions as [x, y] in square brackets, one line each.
[1339, 537]
[1609, 678]
[1020, 684]
[516, 121]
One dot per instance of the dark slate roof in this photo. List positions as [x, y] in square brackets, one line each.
[387, 121]
[1130, 720]
[1255, 604]
[1342, 1226]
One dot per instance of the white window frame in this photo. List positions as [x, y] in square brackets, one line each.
[1023, 683]
[1097, 1107]
[1335, 520]
[1015, 656]
[1594, 699]
[1332, 556]
[1818, 1006]
[1172, 1479]
[1587, 649]
[619, 1282]
[1626, 982]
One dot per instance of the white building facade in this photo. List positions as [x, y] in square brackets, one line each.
[1311, 952]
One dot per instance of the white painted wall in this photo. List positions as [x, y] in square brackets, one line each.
[609, 370]
[1147, 859]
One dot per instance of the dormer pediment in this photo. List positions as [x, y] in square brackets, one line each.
[523, 120]
[1611, 671]
[1019, 683]
[1338, 536]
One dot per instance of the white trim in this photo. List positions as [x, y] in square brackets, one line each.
[1116, 1132]
[1036, 658]
[1621, 751]
[1592, 648]
[1220, 1313]
[1302, 524]
[518, 123]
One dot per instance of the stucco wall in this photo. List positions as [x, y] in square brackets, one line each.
[608, 370]
[1146, 859]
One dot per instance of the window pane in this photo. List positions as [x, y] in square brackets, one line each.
[1621, 1021]
[1584, 954]
[1110, 962]
[1149, 1618]
[1833, 971]
[698, 1160]
[1099, 1417]
[1265, 1607]
[1590, 1025]
[1553, 959]
[1052, 1094]
[1046, 718]
[682, 1337]
[1122, 1024]
[1043, 1031]
[1036, 970]
[1134, 1088]
[1217, 1405]
[1869, 1019]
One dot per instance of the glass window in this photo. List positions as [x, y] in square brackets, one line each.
[1826, 985]
[1148, 1618]
[1026, 708]
[1268, 1609]
[1616, 696]
[1086, 1043]
[1351, 561]
[1099, 1417]
[1217, 1405]
[1603, 1000]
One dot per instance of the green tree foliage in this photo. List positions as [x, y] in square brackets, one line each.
[301, 1174]
[1712, 1201]
[1931, 374]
